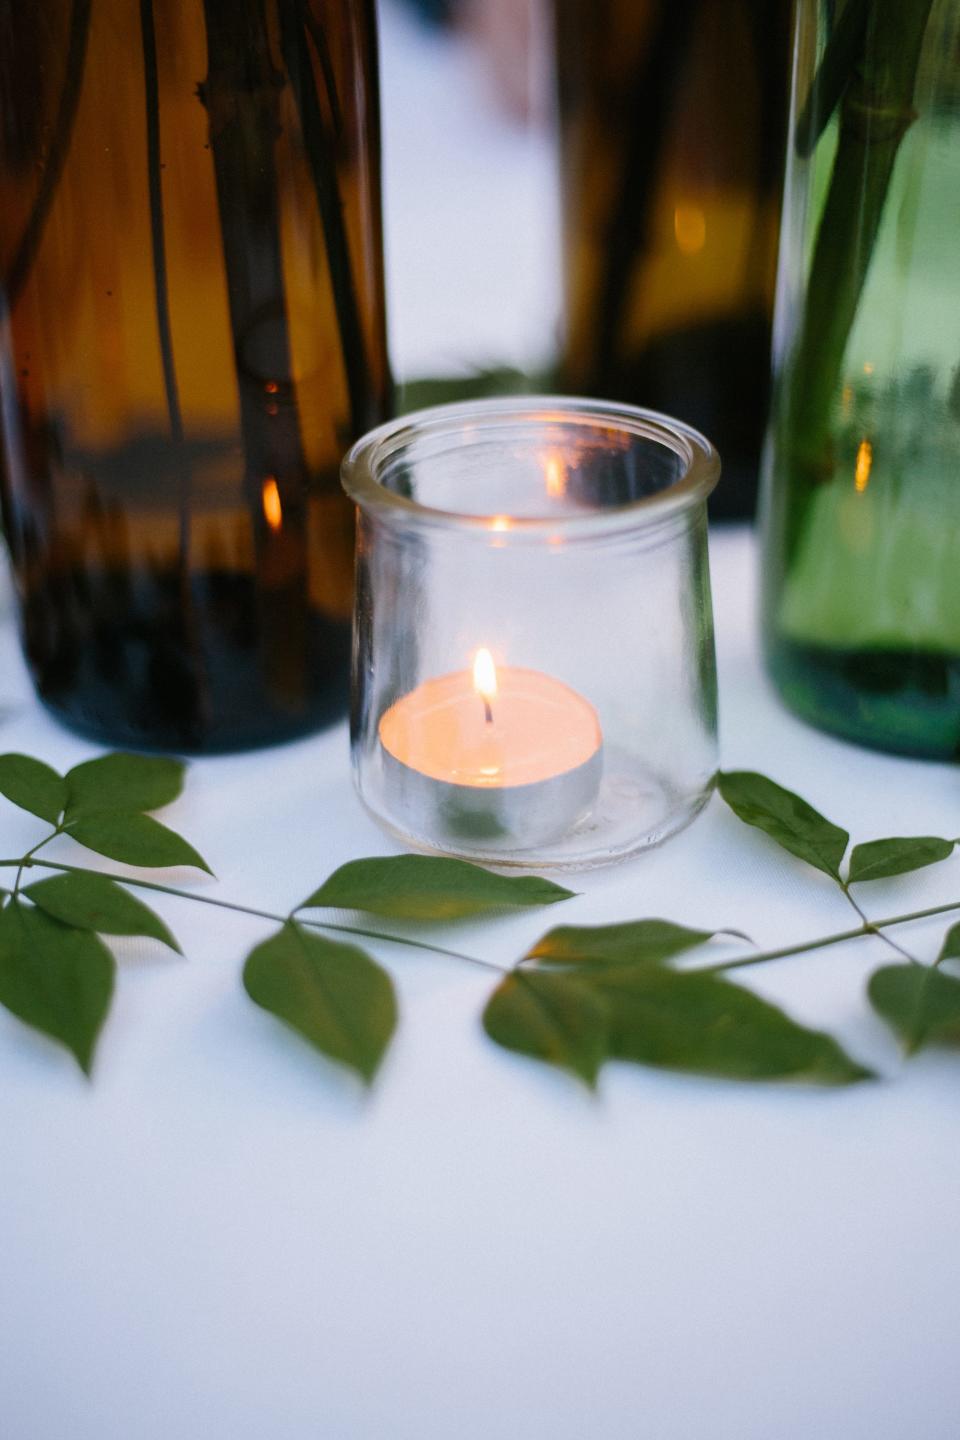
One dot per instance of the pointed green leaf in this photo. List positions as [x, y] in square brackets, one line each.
[879, 859]
[919, 1002]
[950, 950]
[702, 1023]
[89, 901]
[33, 786]
[134, 839]
[636, 942]
[794, 824]
[331, 994]
[550, 1017]
[426, 887]
[124, 782]
[54, 978]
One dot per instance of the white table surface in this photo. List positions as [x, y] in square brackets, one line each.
[222, 1238]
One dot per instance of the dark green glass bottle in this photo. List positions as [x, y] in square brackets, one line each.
[861, 547]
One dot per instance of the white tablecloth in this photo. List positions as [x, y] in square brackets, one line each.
[221, 1238]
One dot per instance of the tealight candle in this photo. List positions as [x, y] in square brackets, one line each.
[507, 755]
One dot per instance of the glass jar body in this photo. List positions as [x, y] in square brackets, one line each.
[190, 262]
[861, 603]
[489, 535]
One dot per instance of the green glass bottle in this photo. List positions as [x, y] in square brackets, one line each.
[861, 497]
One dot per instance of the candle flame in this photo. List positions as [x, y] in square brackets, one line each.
[272, 509]
[485, 675]
[555, 475]
[861, 477]
[689, 228]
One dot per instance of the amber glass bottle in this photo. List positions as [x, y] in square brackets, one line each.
[673, 118]
[191, 271]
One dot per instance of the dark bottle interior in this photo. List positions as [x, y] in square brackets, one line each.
[673, 118]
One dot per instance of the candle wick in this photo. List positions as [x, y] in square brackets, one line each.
[487, 711]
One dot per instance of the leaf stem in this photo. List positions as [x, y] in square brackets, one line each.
[57, 151]
[161, 302]
[404, 940]
[874, 929]
[24, 863]
[875, 114]
[161, 295]
[834, 73]
[838, 939]
[27, 862]
[319, 150]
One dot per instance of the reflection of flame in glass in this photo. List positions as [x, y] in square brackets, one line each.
[861, 475]
[485, 675]
[555, 476]
[689, 228]
[500, 522]
[272, 509]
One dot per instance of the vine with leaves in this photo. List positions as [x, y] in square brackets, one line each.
[578, 997]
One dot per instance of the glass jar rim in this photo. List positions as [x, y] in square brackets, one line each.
[365, 458]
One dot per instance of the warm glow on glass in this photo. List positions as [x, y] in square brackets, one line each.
[555, 476]
[272, 509]
[500, 522]
[861, 475]
[485, 675]
[689, 228]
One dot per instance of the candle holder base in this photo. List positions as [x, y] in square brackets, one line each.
[631, 813]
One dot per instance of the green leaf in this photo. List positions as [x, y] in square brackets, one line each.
[331, 994]
[425, 887]
[794, 824]
[124, 782]
[33, 786]
[57, 979]
[550, 1017]
[134, 839]
[919, 1002]
[637, 942]
[950, 949]
[90, 901]
[704, 1024]
[879, 859]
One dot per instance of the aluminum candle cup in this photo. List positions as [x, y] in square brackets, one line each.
[534, 679]
[488, 755]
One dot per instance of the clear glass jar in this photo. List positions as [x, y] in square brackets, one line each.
[862, 504]
[534, 680]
